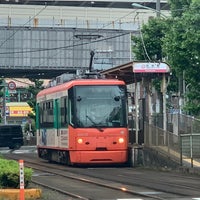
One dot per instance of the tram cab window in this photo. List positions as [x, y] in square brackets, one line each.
[99, 106]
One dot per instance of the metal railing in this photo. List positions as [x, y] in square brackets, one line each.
[190, 149]
[181, 140]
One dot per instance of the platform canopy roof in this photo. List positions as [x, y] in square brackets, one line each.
[135, 71]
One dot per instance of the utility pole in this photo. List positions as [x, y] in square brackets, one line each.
[158, 8]
[3, 111]
[4, 105]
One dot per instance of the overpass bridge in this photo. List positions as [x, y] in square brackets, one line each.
[43, 39]
[48, 52]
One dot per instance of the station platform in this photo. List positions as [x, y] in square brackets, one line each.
[162, 156]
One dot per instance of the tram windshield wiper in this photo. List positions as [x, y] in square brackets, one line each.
[94, 123]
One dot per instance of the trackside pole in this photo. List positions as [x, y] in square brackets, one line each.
[21, 178]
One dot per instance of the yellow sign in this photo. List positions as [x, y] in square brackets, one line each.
[18, 110]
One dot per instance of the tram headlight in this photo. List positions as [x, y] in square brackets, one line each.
[121, 140]
[80, 140]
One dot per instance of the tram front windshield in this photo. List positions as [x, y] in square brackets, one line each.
[100, 106]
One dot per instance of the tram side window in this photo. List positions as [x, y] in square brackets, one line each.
[46, 115]
[40, 114]
[63, 112]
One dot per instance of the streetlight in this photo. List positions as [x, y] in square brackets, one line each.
[148, 8]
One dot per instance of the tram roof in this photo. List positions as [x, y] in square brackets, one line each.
[135, 71]
[61, 89]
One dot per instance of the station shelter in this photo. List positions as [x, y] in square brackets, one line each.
[138, 76]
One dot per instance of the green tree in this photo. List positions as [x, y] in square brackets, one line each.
[178, 7]
[34, 89]
[148, 46]
[1, 87]
[182, 46]
[177, 39]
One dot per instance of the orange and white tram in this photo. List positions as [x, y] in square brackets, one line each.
[83, 121]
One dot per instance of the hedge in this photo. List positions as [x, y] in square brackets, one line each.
[10, 175]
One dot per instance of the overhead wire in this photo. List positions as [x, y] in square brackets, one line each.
[22, 26]
[46, 49]
[142, 38]
[23, 82]
[143, 44]
[57, 47]
[65, 47]
[108, 24]
[70, 46]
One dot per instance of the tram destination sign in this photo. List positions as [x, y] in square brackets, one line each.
[142, 67]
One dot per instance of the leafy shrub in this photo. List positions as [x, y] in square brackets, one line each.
[10, 175]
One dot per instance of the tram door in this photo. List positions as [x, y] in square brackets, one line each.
[56, 120]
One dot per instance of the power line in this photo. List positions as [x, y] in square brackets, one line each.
[62, 47]
[57, 48]
[143, 44]
[38, 50]
[23, 26]
[23, 82]
[65, 47]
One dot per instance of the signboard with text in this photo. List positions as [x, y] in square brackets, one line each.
[11, 85]
[18, 111]
[150, 67]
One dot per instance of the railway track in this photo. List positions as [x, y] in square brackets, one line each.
[114, 185]
[53, 176]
